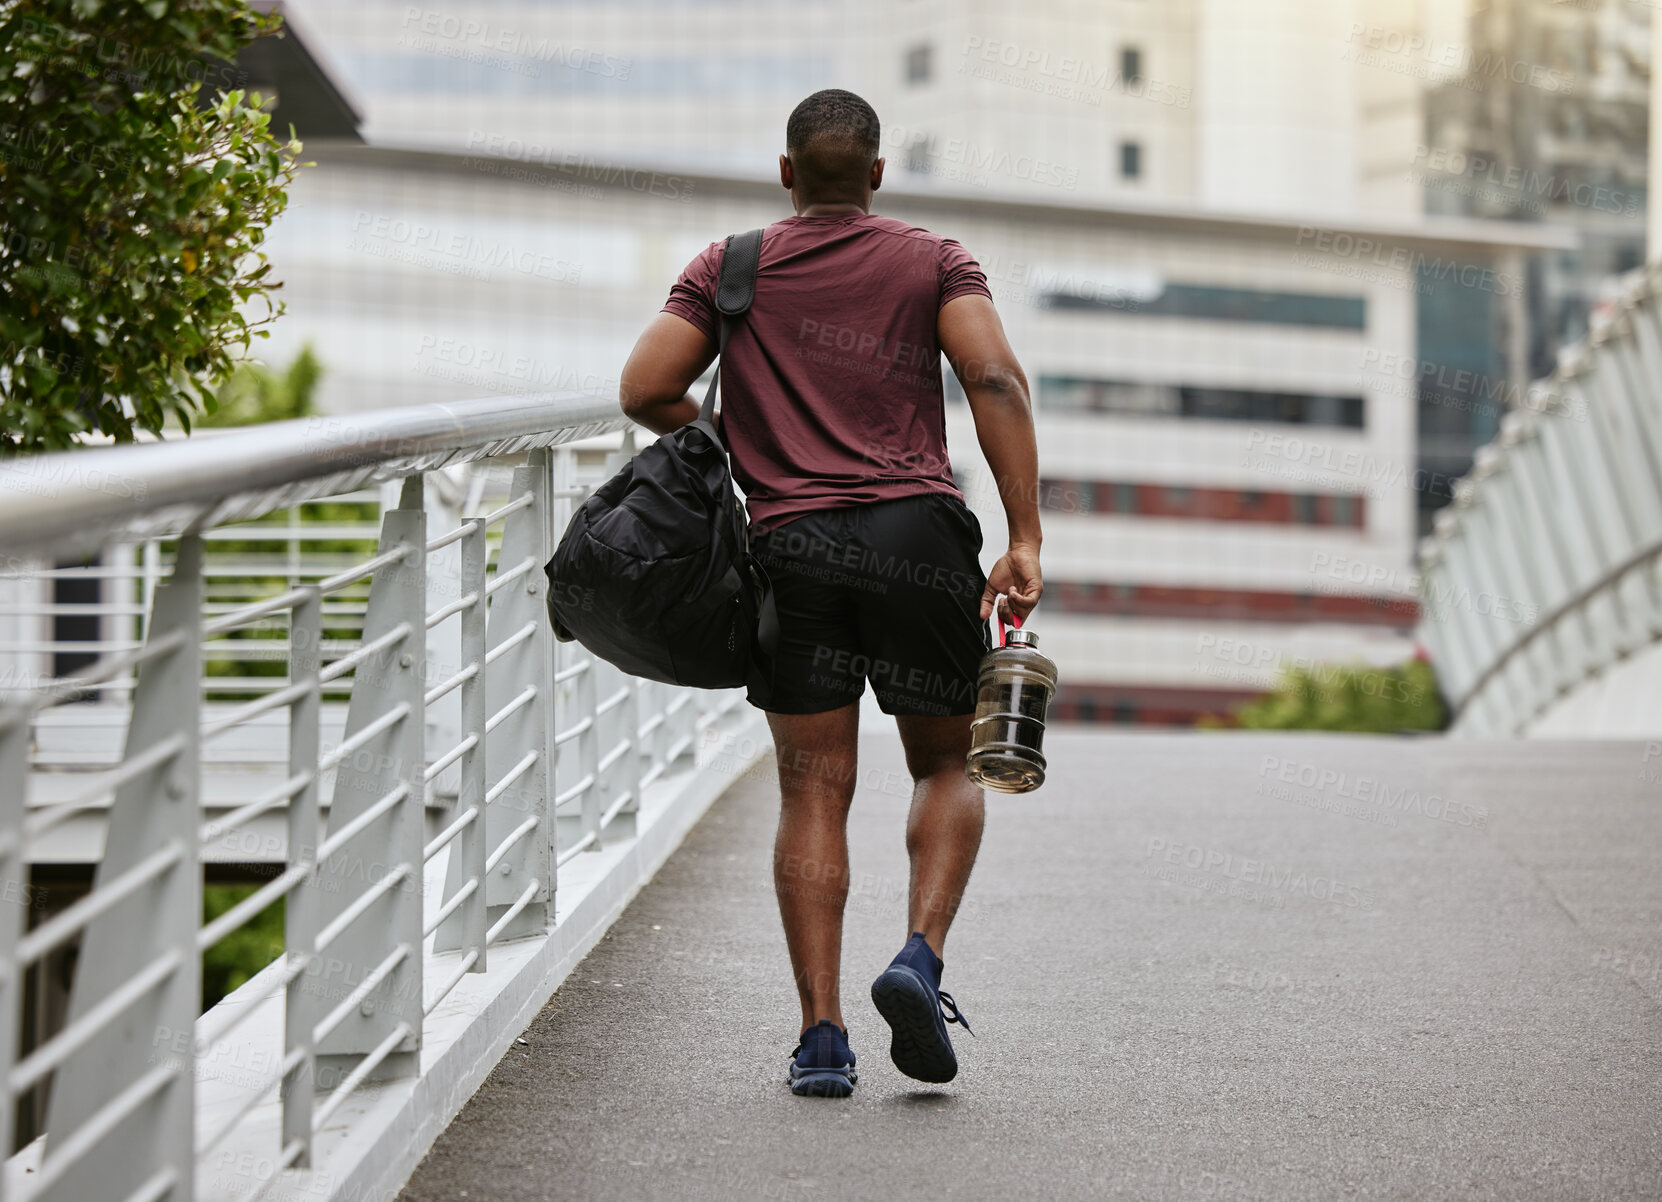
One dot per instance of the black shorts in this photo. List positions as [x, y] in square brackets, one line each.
[888, 591]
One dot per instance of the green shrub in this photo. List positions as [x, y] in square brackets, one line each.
[253, 393]
[235, 959]
[1352, 697]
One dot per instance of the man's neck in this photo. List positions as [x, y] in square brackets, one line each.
[832, 210]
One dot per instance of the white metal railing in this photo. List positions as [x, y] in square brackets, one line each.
[1544, 571]
[542, 754]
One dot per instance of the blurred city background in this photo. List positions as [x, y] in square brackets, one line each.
[1274, 269]
[1343, 324]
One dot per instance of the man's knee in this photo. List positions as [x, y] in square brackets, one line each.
[935, 747]
[815, 775]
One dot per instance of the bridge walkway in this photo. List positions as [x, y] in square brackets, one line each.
[1432, 970]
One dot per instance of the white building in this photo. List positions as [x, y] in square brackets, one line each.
[1212, 281]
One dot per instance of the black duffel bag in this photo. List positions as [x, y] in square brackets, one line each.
[654, 574]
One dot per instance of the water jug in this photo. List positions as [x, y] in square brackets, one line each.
[1016, 684]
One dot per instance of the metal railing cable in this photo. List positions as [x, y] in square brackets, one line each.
[400, 747]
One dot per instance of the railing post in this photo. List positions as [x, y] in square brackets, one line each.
[580, 731]
[446, 583]
[465, 928]
[1518, 545]
[301, 1011]
[519, 888]
[14, 889]
[616, 792]
[369, 978]
[576, 758]
[132, 1078]
[1547, 521]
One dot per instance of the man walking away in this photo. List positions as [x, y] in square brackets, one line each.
[835, 418]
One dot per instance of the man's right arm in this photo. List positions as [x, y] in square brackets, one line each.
[972, 338]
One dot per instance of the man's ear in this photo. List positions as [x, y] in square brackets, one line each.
[787, 174]
[877, 175]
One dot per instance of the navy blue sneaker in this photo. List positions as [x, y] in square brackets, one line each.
[909, 997]
[823, 1064]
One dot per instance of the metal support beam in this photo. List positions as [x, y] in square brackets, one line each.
[131, 1080]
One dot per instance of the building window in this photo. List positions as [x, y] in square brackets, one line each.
[1067, 394]
[1131, 160]
[1190, 503]
[1131, 65]
[1205, 303]
[1125, 712]
[920, 65]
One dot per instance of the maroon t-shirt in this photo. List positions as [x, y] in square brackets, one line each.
[831, 385]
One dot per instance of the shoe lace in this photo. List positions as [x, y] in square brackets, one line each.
[949, 1007]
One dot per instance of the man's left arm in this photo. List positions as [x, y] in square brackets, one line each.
[670, 355]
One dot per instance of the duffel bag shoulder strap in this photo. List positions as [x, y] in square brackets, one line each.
[741, 255]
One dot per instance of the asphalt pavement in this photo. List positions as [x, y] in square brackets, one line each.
[1214, 966]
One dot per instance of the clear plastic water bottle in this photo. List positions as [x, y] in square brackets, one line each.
[1006, 739]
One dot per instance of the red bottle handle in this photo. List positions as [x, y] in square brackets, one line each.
[1003, 631]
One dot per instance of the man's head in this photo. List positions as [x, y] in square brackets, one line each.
[831, 145]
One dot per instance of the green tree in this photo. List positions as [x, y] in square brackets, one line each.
[1352, 697]
[254, 393]
[137, 184]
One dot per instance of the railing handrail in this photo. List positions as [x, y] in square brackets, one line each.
[1563, 510]
[75, 501]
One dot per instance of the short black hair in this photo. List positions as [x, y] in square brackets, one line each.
[833, 138]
